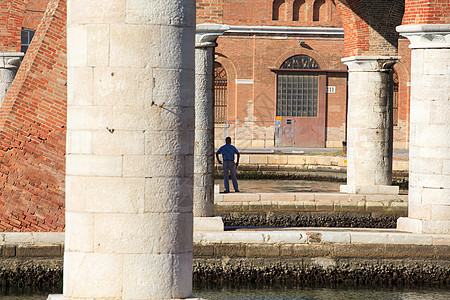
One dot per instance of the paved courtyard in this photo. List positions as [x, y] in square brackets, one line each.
[282, 186]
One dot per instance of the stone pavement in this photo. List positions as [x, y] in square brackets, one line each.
[283, 186]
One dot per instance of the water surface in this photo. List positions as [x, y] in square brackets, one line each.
[324, 294]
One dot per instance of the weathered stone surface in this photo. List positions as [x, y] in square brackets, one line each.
[234, 250]
[130, 161]
[38, 251]
[429, 200]
[262, 250]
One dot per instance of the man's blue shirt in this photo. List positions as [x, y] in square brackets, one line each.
[227, 151]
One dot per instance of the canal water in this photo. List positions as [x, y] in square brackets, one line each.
[299, 294]
[324, 294]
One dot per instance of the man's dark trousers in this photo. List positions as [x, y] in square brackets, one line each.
[229, 165]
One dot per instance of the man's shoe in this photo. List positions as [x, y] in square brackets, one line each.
[237, 191]
[225, 192]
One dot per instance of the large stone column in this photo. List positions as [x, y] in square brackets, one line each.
[429, 146]
[369, 128]
[9, 64]
[130, 143]
[205, 42]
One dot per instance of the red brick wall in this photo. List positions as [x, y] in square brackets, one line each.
[403, 69]
[259, 12]
[32, 132]
[209, 11]
[252, 57]
[11, 17]
[336, 109]
[370, 26]
[34, 11]
[427, 12]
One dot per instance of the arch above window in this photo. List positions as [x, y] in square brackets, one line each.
[319, 10]
[300, 62]
[278, 10]
[299, 10]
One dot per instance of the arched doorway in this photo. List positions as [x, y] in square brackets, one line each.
[301, 103]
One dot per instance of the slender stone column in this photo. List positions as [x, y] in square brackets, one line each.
[129, 149]
[9, 64]
[205, 41]
[369, 134]
[429, 146]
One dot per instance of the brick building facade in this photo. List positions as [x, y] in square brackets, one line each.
[263, 36]
[33, 119]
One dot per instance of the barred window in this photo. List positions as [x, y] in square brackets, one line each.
[395, 99]
[297, 94]
[220, 93]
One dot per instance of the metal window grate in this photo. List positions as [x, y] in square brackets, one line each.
[220, 93]
[297, 95]
[300, 62]
[395, 99]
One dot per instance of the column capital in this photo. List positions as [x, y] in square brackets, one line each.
[370, 63]
[10, 60]
[426, 35]
[207, 34]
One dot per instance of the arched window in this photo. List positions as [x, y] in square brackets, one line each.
[319, 10]
[300, 62]
[297, 92]
[299, 10]
[220, 93]
[278, 10]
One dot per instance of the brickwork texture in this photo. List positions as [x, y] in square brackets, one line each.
[33, 129]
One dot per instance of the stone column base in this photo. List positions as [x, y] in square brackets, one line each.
[423, 226]
[370, 189]
[208, 224]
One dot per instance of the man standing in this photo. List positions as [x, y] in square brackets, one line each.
[228, 152]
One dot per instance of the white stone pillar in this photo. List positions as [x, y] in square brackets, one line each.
[429, 146]
[9, 64]
[205, 42]
[369, 128]
[130, 136]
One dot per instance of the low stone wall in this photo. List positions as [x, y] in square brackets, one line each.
[310, 210]
[324, 272]
[308, 219]
[307, 167]
[269, 258]
[304, 162]
[311, 258]
[31, 261]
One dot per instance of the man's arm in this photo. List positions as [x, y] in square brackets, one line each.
[237, 159]
[218, 159]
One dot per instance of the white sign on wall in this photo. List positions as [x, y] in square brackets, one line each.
[331, 89]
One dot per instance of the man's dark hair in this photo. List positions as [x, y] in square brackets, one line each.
[228, 140]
